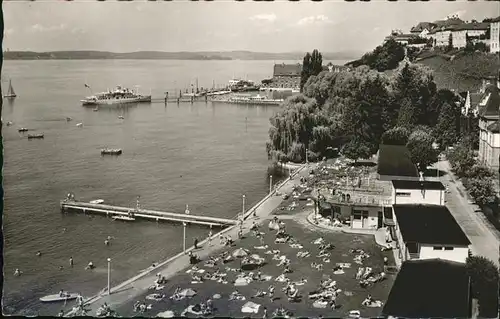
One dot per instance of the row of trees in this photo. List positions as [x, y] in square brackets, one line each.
[351, 110]
[476, 178]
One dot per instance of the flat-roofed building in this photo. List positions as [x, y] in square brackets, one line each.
[432, 288]
[418, 192]
[428, 231]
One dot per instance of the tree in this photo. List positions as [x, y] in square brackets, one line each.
[450, 43]
[481, 190]
[382, 58]
[396, 136]
[414, 89]
[299, 126]
[356, 149]
[362, 117]
[484, 281]
[447, 129]
[312, 65]
[421, 150]
[461, 158]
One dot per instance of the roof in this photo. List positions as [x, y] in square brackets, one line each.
[394, 160]
[448, 22]
[469, 26]
[429, 224]
[492, 106]
[287, 69]
[421, 26]
[497, 19]
[430, 185]
[430, 288]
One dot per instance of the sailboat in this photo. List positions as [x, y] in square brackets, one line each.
[10, 92]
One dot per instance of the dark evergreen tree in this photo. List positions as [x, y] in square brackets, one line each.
[447, 130]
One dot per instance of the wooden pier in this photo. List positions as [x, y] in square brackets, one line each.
[110, 211]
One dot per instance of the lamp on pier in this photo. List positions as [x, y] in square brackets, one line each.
[109, 276]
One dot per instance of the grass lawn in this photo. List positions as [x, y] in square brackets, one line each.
[301, 269]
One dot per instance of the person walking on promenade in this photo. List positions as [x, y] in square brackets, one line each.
[196, 243]
[264, 315]
[71, 261]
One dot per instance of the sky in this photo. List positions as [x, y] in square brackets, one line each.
[221, 25]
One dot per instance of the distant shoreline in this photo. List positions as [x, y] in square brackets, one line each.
[156, 55]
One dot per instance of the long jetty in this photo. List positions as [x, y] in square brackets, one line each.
[111, 210]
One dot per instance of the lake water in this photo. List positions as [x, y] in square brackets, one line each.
[203, 155]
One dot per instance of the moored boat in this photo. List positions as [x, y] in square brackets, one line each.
[22, 129]
[59, 297]
[38, 135]
[118, 96]
[250, 100]
[111, 151]
[124, 218]
[97, 201]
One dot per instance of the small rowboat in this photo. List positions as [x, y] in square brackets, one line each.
[58, 297]
[107, 151]
[39, 135]
[124, 218]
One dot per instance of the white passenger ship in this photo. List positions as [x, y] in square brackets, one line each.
[118, 96]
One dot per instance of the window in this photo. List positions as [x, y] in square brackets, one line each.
[437, 248]
[403, 194]
[358, 214]
[448, 248]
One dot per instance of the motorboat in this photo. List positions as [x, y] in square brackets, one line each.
[65, 296]
[121, 117]
[22, 129]
[124, 218]
[118, 96]
[111, 151]
[79, 124]
[97, 201]
[38, 135]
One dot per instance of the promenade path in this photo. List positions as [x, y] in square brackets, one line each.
[483, 236]
[134, 287]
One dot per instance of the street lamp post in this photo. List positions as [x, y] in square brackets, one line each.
[184, 238]
[242, 211]
[270, 184]
[109, 276]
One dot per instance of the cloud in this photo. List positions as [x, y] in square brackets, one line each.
[40, 28]
[314, 20]
[264, 17]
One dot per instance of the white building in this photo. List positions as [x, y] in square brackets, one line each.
[495, 35]
[473, 31]
[418, 192]
[428, 231]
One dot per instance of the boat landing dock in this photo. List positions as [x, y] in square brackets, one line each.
[110, 211]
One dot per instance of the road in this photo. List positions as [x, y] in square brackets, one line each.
[483, 236]
[134, 287]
